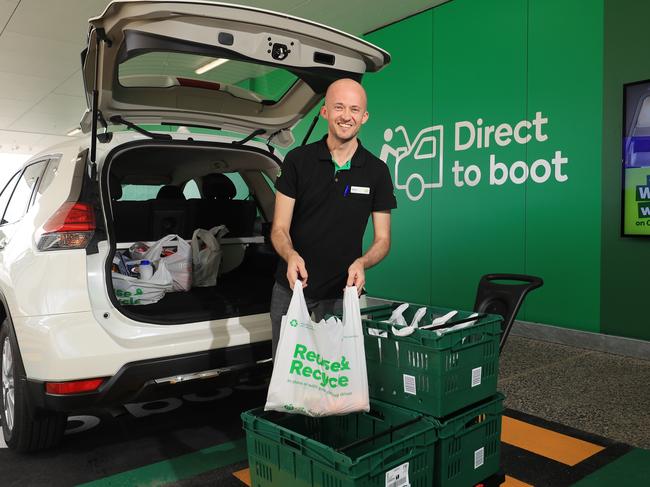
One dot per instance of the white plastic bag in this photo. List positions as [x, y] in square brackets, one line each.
[205, 262]
[320, 368]
[179, 264]
[131, 290]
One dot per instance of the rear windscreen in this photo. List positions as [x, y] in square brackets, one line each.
[242, 79]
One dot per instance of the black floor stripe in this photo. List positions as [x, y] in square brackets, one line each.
[559, 428]
[540, 471]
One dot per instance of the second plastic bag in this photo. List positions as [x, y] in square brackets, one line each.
[320, 368]
[206, 260]
[179, 263]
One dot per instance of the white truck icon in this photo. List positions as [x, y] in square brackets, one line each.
[427, 144]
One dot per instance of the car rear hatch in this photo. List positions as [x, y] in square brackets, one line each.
[218, 65]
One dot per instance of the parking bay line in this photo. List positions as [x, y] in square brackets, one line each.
[547, 443]
[178, 468]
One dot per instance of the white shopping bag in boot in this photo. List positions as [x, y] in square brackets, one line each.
[320, 368]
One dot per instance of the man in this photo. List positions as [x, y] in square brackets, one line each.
[325, 194]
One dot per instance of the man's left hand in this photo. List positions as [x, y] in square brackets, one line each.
[357, 275]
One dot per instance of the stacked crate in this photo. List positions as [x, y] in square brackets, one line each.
[450, 377]
[386, 447]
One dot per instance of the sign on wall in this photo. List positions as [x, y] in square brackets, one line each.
[401, 149]
[636, 160]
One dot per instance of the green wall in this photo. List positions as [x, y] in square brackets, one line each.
[559, 63]
[625, 290]
[486, 64]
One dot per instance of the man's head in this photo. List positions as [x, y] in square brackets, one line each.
[345, 109]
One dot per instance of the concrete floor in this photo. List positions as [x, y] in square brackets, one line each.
[600, 393]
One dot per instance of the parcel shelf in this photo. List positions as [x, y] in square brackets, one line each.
[388, 446]
[469, 445]
[427, 372]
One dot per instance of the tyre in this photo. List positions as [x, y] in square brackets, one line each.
[24, 428]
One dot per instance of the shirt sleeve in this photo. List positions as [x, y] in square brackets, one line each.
[384, 195]
[287, 180]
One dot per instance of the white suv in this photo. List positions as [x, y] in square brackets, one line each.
[67, 343]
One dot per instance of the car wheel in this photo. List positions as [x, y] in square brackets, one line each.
[24, 428]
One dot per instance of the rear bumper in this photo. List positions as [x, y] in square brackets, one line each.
[152, 379]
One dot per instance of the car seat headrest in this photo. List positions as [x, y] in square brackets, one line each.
[170, 192]
[218, 187]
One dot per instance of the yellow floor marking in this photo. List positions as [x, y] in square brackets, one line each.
[556, 446]
[513, 482]
[244, 476]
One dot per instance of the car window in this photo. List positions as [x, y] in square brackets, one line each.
[22, 195]
[191, 190]
[242, 79]
[6, 193]
[49, 174]
[240, 185]
[140, 192]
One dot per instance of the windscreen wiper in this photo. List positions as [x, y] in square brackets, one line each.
[140, 130]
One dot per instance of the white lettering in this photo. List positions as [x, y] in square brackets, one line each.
[472, 180]
[470, 141]
[557, 161]
[538, 122]
[457, 170]
[524, 172]
[502, 135]
[547, 171]
[517, 132]
[497, 166]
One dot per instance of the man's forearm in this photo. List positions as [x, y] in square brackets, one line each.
[377, 251]
[282, 243]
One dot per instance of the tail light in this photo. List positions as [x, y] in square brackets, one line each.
[73, 387]
[71, 227]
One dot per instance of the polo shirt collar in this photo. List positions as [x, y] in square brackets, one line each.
[358, 158]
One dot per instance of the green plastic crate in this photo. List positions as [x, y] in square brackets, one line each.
[436, 375]
[469, 447]
[299, 451]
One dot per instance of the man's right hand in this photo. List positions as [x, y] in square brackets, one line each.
[296, 269]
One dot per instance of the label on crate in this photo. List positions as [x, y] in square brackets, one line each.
[479, 457]
[476, 376]
[409, 384]
[399, 476]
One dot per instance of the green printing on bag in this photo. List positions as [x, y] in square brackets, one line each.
[125, 297]
[298, 367]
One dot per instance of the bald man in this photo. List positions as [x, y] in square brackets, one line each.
[325, 194]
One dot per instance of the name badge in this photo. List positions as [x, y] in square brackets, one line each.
[359, 190]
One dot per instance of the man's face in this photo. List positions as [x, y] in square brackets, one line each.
[345, 110]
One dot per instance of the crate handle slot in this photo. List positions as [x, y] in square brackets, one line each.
[398, 458]
[376, 414]
[473, 423]
[291, 444]
[389, 431]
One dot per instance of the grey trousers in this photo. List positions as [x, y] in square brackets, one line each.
[280, 300]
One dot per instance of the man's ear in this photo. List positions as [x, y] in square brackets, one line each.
[323, 111]
[365, 117]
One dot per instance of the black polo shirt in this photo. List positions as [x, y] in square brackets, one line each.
[331, 212]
